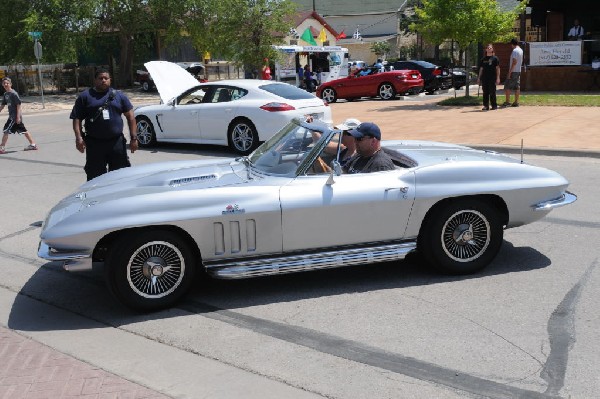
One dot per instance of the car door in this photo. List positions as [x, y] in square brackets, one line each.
[181, 121]
[217, 111]
[357, 208]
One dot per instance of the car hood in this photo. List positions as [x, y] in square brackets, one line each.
[170, 79]
[163, 176]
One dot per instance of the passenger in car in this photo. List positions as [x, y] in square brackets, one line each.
[369, 157]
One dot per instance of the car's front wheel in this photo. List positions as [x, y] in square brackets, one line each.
[145, 86]
[461, 236]
[145, 132]
[329, 95]
[242, 136]
[386, 91]
[150, 270]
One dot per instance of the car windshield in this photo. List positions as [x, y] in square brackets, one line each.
[292, 150]
[287, 91]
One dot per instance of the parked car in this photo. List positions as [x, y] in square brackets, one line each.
[386, 85]
[459, 78]
[196, 69]
[435, 77]
[235, 113]
[154, 227]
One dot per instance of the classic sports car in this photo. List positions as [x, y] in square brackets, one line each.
[236, 113]
[386, 85]
[288, 208]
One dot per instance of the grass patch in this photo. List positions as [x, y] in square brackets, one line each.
[565, 100]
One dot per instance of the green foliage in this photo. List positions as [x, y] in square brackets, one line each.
[238, 30]
[529, 99]
[381, 48]
[465, 21]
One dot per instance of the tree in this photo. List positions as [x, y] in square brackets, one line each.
[381, 48]
[465, 22]
[242, 31]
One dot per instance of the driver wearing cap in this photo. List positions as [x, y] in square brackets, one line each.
[369, 157]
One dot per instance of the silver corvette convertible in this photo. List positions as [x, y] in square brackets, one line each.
[288, 207]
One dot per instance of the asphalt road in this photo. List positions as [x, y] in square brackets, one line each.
[527, 326]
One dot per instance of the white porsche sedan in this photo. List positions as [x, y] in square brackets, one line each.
[236, 113]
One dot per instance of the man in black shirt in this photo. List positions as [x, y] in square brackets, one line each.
[369, 156]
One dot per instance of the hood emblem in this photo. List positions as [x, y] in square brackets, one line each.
[233, 209]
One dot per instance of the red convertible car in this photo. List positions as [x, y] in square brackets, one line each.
[371, 82]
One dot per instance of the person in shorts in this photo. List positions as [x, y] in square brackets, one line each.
[513, 78]
[14, 124]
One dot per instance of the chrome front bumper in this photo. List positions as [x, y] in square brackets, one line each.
[565, 199]
[72, 261]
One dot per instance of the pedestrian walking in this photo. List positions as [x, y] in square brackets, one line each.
[100, 110]
[266, 70]
[14, 124]
[489, 77]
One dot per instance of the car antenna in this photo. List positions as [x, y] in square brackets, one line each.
[521, 150]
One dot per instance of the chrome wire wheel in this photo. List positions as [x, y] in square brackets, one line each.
[155, 269]
[386, 91]
[145, 132]
[466, 235]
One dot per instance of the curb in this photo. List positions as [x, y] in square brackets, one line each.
[556, 152]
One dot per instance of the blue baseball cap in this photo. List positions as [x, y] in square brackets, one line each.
[366, 129]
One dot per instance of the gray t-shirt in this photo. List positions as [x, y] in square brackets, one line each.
[517, 54]
[11, 99]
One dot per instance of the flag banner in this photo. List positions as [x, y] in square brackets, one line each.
[342, 35]
[357, 35]
[308, 37]
[322, 36]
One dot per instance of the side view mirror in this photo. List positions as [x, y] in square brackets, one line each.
[335, 168]
[172, 102]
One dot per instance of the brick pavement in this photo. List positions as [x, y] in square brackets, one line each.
[30, 370]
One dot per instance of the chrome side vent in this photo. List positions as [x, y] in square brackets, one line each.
[191, 180]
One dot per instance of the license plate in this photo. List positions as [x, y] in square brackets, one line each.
[413, 76]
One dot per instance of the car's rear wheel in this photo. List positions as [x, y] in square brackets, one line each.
[150, 270]
[462, 236]
[145, 132]
[242, 136]
[329, 95]
[386, 91]
[145, 86]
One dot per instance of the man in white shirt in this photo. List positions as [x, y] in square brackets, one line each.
[513, 77]
[576, 32]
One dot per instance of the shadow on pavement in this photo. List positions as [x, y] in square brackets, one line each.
[86, 295]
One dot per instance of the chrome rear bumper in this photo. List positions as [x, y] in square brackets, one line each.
[565, 199]
[72, 261]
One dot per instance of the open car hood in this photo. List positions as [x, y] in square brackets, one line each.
[170, 79]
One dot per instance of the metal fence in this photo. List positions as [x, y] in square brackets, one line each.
[64, 78]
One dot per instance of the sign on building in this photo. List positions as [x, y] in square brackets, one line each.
[555, 53]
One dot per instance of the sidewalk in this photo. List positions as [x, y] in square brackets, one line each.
[29, 369]
[551, 130]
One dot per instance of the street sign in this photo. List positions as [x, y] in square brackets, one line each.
[35, 35]
[37, 50]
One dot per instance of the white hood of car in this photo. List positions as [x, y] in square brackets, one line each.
[170, 79]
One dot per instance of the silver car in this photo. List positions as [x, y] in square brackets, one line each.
[288, 208]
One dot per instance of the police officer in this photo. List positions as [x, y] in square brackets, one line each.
[100, 109]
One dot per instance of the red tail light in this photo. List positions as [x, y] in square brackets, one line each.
[437, 71]
[277, 107]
